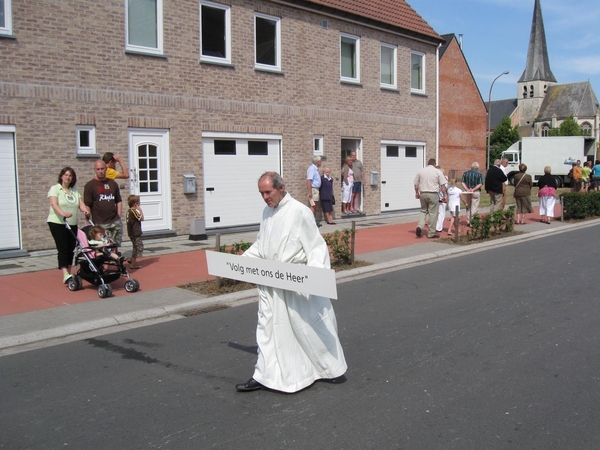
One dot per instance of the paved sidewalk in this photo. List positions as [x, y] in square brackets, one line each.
[36, 307]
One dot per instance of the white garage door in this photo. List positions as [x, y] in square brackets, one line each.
[400, 162]
[10, 238]
[232, 166]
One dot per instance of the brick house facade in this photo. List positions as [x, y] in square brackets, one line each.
[60, 74]
[463, 113]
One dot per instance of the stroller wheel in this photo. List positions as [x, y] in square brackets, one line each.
[74, 283]
[79, 282]
[104, 290]
[132, 285]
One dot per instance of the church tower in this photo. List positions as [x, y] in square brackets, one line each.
[537, 77]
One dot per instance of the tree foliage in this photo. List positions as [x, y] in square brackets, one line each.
[504, 136]
[569, 127]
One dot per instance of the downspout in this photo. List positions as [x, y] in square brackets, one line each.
[437, 104]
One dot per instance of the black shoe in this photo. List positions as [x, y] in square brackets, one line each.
[435, 236]
[418, 231]
[250, 385]
[338, 380]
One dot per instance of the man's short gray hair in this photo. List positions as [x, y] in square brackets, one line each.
[496, 162]
[276, 179]
[316, 159]
[475, 166]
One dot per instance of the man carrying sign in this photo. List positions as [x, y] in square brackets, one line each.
[296, 333]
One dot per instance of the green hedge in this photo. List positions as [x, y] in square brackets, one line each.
[579, 205]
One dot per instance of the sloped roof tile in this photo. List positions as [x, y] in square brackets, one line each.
[397, 13]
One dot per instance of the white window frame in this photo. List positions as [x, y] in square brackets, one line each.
[394, 64]
[420, 90]
[356, 40]
[91, 148]
[318, 145]
[6, 29]
[158, 50]
[227, 36]
[277, 66]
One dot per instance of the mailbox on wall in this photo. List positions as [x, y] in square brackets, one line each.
[374, 181]
[189, 183]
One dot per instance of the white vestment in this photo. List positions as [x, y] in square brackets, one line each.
[296, 333]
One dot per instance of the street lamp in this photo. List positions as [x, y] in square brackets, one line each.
[489, 124]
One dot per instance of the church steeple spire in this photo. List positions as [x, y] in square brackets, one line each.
[538, 64]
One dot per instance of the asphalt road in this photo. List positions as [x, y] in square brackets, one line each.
[492, 350]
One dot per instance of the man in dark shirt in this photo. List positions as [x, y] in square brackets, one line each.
[494, 181]
[103, 197]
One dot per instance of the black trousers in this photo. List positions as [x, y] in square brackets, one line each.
[65, 242]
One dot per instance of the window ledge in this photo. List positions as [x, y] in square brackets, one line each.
[217, 63]
[267, 70]
[7, 36]
[142, 53]
[389, 89]
[420, 94]
[89, 155]
[351, 83]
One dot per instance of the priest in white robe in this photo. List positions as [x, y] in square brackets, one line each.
[296, 333]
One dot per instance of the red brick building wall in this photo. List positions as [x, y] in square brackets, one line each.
[462, 114]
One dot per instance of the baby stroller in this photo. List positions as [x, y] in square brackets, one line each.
[96, 267]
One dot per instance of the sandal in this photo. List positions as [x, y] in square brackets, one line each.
[135, 266]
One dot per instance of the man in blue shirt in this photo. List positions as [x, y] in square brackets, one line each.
[313, 183]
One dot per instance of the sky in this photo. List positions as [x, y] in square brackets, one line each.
[496, 38]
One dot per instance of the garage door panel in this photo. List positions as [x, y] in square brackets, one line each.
[10, 238]
[231, 195]
[398, 170]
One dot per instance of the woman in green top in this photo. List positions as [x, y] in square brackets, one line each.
[64, 203]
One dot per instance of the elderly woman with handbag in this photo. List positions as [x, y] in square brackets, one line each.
[523, 184]
[547, 194]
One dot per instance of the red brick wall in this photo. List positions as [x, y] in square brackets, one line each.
[58, 71]
[462, 115]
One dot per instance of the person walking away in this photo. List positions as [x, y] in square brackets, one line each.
[522, 194]
[313, 183]
[134, 218]
[454, 193]
[65, 201]
[472, 181]
[547, 194]
[296, 333]
[441, 206]
[428, 183]
[494, 181]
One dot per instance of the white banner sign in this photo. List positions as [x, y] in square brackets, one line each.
[291, 277]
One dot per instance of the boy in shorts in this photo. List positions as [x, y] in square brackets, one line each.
[134, 218]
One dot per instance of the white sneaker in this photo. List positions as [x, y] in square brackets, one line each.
[67, 277]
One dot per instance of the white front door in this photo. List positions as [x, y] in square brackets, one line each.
[150, 176]
[400, 162]
[10, 236]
